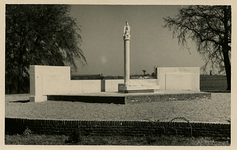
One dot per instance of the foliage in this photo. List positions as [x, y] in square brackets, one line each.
[34, 139]
[210, 28]
[144, 72]
[27, 132]
[74, 137]
[213, 83]
[38, 35]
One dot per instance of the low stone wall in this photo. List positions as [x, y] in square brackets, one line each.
[111, 85]
[55, 80]
[125, 128]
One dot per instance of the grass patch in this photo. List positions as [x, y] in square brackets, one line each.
[215, 82]
[34, 139]
[162, 140]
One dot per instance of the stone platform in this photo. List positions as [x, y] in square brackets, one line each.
[127, 98]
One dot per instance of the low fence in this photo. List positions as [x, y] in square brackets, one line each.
[125, 128]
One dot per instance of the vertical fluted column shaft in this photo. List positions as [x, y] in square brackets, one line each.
[126, 61]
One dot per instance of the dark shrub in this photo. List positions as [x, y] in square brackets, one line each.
[75, 136]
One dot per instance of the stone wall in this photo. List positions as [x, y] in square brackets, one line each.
[55, 80]
[125, 128]
[179, 78]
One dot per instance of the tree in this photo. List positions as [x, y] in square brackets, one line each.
[144, 72]
[39, 35]
[210, 28]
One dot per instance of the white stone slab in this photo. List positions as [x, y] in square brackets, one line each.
[112, 85]
[178, 81]
[194, 71]
[55, 80]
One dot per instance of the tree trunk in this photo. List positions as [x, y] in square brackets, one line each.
[20, 59]
[225, 49]
[18, 80]
[227, 68]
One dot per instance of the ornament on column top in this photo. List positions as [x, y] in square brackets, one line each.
[126, 31]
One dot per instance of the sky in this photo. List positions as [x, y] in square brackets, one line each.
[151, 44]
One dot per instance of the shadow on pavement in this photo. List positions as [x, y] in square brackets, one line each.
[20, 101]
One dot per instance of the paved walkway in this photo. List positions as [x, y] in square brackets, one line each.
[216, 109]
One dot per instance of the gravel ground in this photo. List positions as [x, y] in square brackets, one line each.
[216, 109]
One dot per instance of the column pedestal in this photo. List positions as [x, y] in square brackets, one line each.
[132, 86]
[129, 88]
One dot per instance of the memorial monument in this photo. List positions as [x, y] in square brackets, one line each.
[44, 79]
[132, 86]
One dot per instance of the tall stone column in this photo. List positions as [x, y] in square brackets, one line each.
[134, 86]
[126, 61]
[126, 38]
